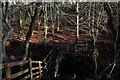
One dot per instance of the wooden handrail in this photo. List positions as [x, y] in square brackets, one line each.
[36, 61]
[40, 74]
[8, 71]
[50, 60]
[26, 77]
[19, 73]
[49, 57]
[36, 77]
[49, 53]
[29, 69]
[12, 64]
[36, 73]
[35, 68]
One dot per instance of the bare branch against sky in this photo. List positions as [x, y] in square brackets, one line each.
[25, 1]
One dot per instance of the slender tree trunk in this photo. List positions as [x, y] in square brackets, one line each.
[114, 32]
[38, 21]
[32, 10]
[93, 23]
[94, 32]
[6, 37]
[109, 12]
[53, 23]
[6, 11]
[89, 16]
[45, 24]
[53, 18]
[58, 12]
[29, 15]
[110, 24]
[28, 35]
[77, 30]
[20, 25]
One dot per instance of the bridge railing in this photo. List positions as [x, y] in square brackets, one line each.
[52, 61]
[32, 71]
[49, 57]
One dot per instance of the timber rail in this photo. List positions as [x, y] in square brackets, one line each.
[52, 61]
[31, 72]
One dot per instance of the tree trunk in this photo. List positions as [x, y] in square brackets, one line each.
[28, 35]
[51, 9]
[109, 12]
[89, 15]
[111, 26]
[115, 34]
[6, 11]
[6, 37]
[45, 24]
[53, 18]
[20, 25]
[53, 23]
[58, 12]
[77, 30]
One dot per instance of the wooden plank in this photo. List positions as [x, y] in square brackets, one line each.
[36, 73]
[30, 69]
[8, 65]
[16, 63]
[26, 77]
[8, 72]
[40, 69]
[35, 68]
[19, 73]
[36, 61]
[36, 77]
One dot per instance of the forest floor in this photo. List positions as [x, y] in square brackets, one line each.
[82, 66]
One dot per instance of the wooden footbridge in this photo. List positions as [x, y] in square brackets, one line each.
[29, 72]
[35, 70]
[32, 70]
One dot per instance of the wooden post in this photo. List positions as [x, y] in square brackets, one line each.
[40, 69]
[8, 72]
[30, 69]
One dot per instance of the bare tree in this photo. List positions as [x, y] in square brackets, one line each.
[77, 29]
[45, 23]
[28, 35]
[58, 17]
[114, 30]
[6, 37]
